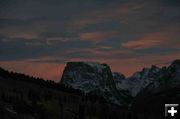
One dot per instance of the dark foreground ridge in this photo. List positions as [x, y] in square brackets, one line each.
[90, 91]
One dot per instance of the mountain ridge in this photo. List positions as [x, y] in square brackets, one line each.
[130, 86]
[91, 77]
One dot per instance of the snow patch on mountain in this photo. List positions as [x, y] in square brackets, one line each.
[139, 80]
[95, 78]
[91, 77]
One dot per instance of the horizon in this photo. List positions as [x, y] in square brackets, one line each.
[44, 78]
[38, 37]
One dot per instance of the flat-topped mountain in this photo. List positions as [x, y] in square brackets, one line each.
[91, 77]
[87, 76]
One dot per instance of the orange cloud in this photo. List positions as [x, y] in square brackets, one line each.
[164, 38]
[29, 35]
[97, 36]
[141, 44]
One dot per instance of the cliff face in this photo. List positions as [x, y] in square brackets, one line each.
[87, 76]
[98, 79]
[139, 80]
[93, 78]
[164, 89]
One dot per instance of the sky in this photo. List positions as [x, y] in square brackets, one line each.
[38, 37]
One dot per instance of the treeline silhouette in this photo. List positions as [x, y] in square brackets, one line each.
[52, 102]
[5, 74]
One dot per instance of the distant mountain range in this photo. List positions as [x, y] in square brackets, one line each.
[91, 77]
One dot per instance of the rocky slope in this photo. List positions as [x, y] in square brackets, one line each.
[169, 78]
[98, 79]
[139, 80]
[164, 90]
[92, 78]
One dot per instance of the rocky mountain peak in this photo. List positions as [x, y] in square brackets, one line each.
[173, 72]
[91, 77]
[168, 79]
[176, 62]
[118, 76]
[91, 74]
[139, 80]
[146, 73]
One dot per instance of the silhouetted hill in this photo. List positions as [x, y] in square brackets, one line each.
[26, 97]
[6, 75]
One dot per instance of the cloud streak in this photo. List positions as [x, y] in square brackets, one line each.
[48, 33]
[157, 39]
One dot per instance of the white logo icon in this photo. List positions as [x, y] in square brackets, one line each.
[171, 111]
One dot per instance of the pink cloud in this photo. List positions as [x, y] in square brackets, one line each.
[141, 44]
[97, 36]
[150, 40]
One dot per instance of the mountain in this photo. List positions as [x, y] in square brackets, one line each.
[98, 79]
[134, 84]
[169, 78]
[165, 89]
[118, 76]
[93, 78]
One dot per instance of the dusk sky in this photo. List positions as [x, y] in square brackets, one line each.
[38, 37]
